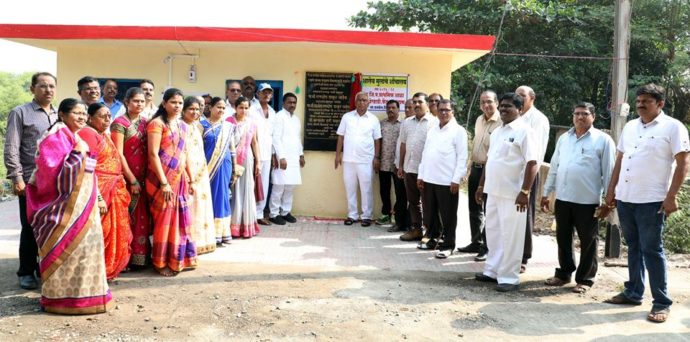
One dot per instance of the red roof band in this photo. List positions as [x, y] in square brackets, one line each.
[221, 34]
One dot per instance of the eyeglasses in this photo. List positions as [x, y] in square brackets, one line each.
[235, 90]
[444, 110]
[430, 101]
[102, 116]
[90, 89]
[78, 113]
[581, 113]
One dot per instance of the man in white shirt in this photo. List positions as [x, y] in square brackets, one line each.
[263, 115]
[413, 134]
[580, 170]
[150, 107]
[651, 165]
[511, 166]
[540, 126]
[232, 92]
[358, 151]
[287, 143]
[443, 166]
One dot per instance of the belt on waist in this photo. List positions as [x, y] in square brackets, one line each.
[477, 166]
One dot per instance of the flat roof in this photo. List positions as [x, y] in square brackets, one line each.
[224, 34]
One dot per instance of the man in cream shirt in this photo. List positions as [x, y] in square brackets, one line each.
[263, 115]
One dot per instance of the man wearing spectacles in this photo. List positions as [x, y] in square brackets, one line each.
[434, 100]
[25, 126]
[232, 92]
[89, 90]
[580, 170]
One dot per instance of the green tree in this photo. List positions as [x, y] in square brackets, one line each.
[533, 29]
[14, 90]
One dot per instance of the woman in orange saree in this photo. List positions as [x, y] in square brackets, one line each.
[129, 135]
[173, 249]
[61, 204]
[114, 199]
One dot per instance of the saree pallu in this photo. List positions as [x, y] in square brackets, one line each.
[200, 204]
[117, 233]
[61, 205]
[243, 222]
[172, 245]
[136, 154]
[218, 149]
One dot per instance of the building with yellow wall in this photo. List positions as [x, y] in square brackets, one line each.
[164, 55]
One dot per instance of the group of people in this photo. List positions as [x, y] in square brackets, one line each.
[106, 186]
[426, 157]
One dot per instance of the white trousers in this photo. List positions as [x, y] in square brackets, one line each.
[281, 199]
[354, 175]
[265, 167]
[505, 237]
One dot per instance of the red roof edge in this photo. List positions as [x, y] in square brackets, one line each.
[222, 34]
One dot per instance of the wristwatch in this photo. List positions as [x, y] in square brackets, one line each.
[526, 192]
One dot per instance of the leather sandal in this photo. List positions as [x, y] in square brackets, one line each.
[621, 299]
[349, 222]
[658, 315]
[581, 288]
[555, 281]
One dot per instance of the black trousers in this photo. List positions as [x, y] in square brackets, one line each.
[402, 216]
[28, 250]
[476, 210]
[531, 214]
[572, 217]
[441, 213]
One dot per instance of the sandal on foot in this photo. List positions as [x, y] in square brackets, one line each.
[621, 299]
[349, 222]
[580, 288]
[555, 281]
[658, 315]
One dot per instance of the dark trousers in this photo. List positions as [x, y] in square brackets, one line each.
[414, 198]
[476, 210]
[441, 213]
[402, 217]
[572, 217]
[531, 214]
[28, 250]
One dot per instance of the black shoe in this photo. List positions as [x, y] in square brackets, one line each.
[429, 245]
[471, 248]
[484, 278]
[28, 282]
[507, 287]
[279, 220]
[366, 222]
[289, 218]
[480, 257]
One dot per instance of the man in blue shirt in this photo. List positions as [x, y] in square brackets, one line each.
[581, 168]
[109, 92]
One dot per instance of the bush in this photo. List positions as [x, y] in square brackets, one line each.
[677, 230]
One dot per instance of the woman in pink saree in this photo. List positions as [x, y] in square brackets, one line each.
[62, 207]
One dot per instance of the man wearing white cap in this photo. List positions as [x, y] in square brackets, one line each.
[263, 115]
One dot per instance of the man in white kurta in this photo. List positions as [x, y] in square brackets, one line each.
[510, 170]
[287, 144]
[263, 115]
[358, 150]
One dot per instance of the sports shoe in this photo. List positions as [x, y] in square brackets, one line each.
[279, 220]
[384, 219]
[289, 218]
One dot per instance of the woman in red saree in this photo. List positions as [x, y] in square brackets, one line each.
[129, 135]
[61, 206]
[167, 187]
[114, 198]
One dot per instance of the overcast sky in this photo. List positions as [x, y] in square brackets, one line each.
[309, 14]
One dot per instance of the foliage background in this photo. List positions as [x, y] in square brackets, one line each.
[14, 91]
